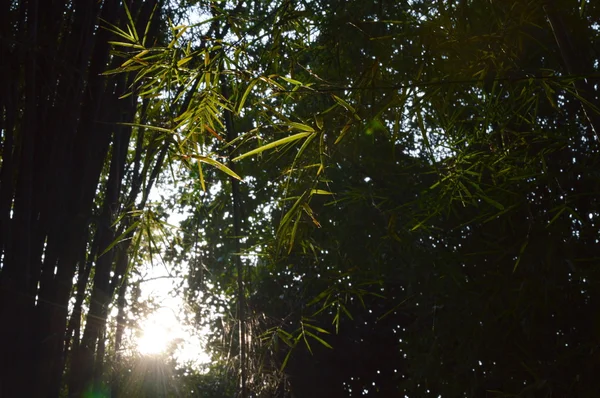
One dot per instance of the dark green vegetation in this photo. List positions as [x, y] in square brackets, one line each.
[417, 213]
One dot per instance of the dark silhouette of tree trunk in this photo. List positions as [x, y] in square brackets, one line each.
[59, 123]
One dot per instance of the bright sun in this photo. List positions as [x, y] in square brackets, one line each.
[162, 328]
[159, 330]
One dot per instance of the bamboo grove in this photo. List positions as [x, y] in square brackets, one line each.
[385, 198]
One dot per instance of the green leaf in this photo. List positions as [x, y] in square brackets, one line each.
[149, 127]
[245, 95]
[180, 31]
[201, 175]
[184, 61]
[148, 24]
[422, 222]
[304, 334]
[289, 214]
[121, 238]
[118, 31]
[343, 132]
[293, 233]
[320, 340]
[345, 311]
[492, 202]
[320, 192]
[272, 82]
[129, 45]
[273, 144]
[319, 297]
[344, 104]
[319, 121]
[285, 337]
[561, 211]
[318, 329]
[301, 127]
[290, 80]
[217, 164]
[285, 361]
[520, 256]
[131, 26]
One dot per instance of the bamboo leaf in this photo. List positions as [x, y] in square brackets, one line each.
[245, 95]
[118, 31]
[319, 121]
[336, 321]
[201, 175]
[310, 213]
[292, 81]
[320, 340]
[131, 27]
[561, 211]
[184, 61]
[343, 133]
[318, 329]
[421, 223]
[214, 133]
[217, 164]
[290, 212]
[319, 297]
[520, 256]
[492, 202]
[285, 361]
[285, 337]
[128, 45]
[320, 192]
[149, 127]
[301, 127]
[272, 82]
[120, 239]
[148, 24]
[345, 311]
[344, 104]
[273, 144]
[304, 334]
[293, 233]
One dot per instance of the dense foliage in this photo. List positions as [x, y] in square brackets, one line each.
[385, 198]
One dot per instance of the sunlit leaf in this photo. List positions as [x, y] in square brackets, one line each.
[123, 44]
[273, 144]
[184, 61]
[245, 95]
[301, 127]
[131, 25]
[216, 164]
[320, 192]
[120, 238]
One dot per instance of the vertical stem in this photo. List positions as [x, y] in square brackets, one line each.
[235, 195]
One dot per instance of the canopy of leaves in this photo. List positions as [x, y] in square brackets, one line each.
[419, 195]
